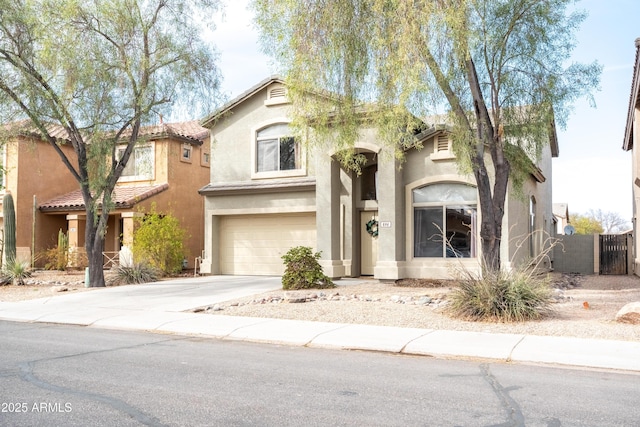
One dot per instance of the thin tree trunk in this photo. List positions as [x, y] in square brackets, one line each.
[492, 198]
[94, 244]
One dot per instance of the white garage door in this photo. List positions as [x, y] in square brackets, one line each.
[253, 244]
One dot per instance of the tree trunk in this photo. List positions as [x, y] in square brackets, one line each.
[492, 200]
[94, 244]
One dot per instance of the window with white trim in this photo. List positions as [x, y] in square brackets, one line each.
[206, 158]
[532, 226]
[186, 153]
[277, 150]
[444, 221]
[140, 165]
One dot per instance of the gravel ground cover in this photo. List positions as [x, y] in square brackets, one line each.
[585, 306]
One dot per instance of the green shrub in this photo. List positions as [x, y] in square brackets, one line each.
[158, 241]
[135, 274]
[512, 296]
[15, 271]
[302, 270]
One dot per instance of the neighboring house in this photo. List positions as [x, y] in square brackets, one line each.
[561, 215]
[167, 167]
[33, 173]
[269, 193]
[631, 136]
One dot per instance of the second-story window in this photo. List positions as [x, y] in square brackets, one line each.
[140, 164]
[276, 149]
[186, 153]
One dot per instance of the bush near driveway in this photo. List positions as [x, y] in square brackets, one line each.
[303, 271]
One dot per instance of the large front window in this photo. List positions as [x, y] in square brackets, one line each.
[444, 221]
[140, 164]
[276, 149]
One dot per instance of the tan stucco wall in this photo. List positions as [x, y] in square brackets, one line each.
[35, 169]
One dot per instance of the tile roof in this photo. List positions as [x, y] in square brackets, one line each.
[24, 127]
[124, 197]
[191, 130]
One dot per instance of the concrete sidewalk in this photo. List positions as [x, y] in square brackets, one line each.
[162, 307]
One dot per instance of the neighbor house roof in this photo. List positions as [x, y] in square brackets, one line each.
[124, 197]
[561, 210]
[190, 131]
[634, 101]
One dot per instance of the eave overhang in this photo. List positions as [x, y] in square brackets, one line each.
[258, 187]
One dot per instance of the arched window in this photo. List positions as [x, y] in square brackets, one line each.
[444, 221]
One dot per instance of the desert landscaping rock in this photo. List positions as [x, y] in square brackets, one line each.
[630, 313]
[371, 303]
[386, 304]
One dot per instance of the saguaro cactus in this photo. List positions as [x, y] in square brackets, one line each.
[9, 213]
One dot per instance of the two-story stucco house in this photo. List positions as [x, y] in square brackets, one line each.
[166, 168]
[631, 136]
[268, 193]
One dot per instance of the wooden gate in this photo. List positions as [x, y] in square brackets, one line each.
[613, 254]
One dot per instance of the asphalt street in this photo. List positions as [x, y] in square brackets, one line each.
[60, 375]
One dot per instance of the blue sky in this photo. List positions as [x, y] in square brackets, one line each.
[592, 171]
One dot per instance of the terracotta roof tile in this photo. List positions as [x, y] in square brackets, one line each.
[190, 130]
[124, 197]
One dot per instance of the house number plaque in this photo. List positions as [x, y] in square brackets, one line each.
[385, 224]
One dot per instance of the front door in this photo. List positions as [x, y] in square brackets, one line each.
[368, 242]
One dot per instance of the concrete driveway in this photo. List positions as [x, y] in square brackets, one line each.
[175, 295]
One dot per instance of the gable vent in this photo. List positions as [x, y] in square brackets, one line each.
[277, 92]
[443, 143]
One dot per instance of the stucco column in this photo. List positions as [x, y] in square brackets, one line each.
[391, 226]
[328, 215]
[128, 227]
[76, 238]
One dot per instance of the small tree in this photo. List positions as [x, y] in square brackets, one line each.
[92, 73]
[585, 224]
[159, 240]
[500, 69]
[611, 222]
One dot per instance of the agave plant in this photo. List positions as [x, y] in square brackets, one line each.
[15, 271]
[134, 274]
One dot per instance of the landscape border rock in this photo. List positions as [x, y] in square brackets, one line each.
[630, 313]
